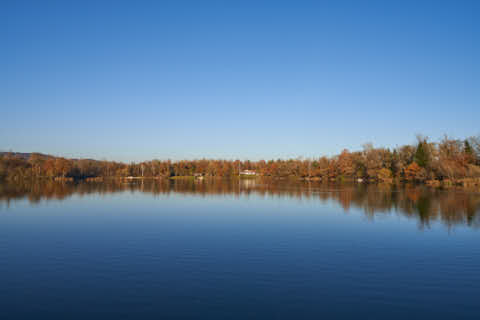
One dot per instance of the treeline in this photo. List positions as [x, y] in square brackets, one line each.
[449, 160]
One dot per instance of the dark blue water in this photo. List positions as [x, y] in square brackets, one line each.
[269, 252]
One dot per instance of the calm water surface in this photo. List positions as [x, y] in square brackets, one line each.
[238, 250]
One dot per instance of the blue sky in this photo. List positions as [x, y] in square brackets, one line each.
[139, 80]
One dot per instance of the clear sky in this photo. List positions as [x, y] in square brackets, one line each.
[137, 80]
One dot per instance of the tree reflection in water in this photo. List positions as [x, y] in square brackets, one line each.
[452, 207]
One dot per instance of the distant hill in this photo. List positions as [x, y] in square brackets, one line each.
[27, 155]
[24, 155]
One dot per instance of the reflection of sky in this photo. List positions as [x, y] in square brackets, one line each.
[230, 209]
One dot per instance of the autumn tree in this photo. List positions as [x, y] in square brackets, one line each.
[345, 164]
[411, 171]
[36, 161]
[62, 167]
[385, 175]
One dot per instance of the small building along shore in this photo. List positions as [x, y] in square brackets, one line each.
[248, 172]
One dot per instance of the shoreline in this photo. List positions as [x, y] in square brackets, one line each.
[465, 183]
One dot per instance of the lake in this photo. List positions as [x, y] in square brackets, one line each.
[230, 249]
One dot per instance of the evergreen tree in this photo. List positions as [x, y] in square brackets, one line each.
[421, 155]
[394, 163]
[468, 150]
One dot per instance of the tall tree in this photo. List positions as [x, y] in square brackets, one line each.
[422, 154]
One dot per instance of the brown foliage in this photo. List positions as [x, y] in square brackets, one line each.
[450, 159]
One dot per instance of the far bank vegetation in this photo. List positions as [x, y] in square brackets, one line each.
[446, 162]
